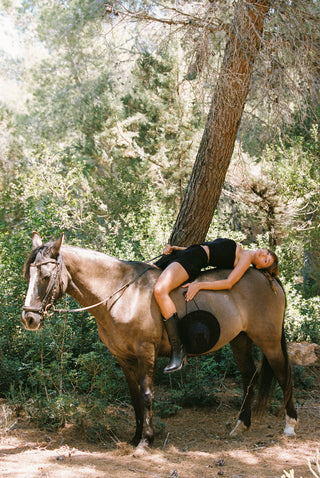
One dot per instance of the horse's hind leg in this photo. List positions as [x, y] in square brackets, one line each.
[277, 362]
[282, 371]
[242, 351]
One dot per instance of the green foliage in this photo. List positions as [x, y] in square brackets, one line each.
[302, 379]
[160, 124]
[166, 408]
[102, 150]
[197, 384]
[302, 316]
[295, 173]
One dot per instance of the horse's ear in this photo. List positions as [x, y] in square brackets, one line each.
[36, 240]
[55, 248]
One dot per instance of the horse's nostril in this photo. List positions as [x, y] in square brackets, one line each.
[30, 321]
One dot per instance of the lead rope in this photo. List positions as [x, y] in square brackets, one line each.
[257, 371]
[82, 309]
[153, 259]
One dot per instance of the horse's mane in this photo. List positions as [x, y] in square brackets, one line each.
[43, 249]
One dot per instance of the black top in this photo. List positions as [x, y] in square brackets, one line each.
[222, 253]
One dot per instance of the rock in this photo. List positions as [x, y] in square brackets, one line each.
[304, 353]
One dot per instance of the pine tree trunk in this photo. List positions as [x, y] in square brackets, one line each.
[217, 144]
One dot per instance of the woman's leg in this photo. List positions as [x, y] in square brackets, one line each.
[173, 276]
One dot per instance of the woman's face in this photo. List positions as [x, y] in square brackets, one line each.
[263, 259]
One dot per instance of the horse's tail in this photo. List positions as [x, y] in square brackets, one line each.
[287, 389]
[268, 379]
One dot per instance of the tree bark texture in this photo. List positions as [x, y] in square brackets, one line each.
[217, 144]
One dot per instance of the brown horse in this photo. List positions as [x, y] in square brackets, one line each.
[120, 296]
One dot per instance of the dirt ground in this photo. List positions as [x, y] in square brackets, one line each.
[193, 444]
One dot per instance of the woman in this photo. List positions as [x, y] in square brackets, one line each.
[184, 264]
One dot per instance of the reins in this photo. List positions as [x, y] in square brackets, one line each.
[47, 301]
[82, 309]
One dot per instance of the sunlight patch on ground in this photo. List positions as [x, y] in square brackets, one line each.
[292, 453]
[244, 457]
[46, 463]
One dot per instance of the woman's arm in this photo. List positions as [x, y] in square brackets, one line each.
[224, 284]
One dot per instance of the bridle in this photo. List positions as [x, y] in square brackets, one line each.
[51, 291]
[50, 295]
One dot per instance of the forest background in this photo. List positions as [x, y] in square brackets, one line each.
[101, 116]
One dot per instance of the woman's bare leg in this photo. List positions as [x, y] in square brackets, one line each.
[171, 278]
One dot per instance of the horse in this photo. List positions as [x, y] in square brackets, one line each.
[119, 294]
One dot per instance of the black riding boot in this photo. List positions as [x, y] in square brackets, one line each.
[178, 353]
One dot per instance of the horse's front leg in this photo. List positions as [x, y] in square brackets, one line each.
[130, 370]
[140, 377]
[146, 371]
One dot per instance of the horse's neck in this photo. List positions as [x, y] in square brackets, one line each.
[93, 275]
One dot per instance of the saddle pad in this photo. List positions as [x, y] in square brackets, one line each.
[199, 331]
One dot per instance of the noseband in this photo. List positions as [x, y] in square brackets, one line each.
[51, 291]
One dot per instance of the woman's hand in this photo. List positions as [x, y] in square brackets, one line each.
[193, 289]
[168, 249]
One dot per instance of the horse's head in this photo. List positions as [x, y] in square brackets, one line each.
[46, 274]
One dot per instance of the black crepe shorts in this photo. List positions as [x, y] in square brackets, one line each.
[192, 259]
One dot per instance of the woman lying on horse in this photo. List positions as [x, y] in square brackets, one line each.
[181, 264]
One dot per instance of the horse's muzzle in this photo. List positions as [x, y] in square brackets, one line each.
[31, 320]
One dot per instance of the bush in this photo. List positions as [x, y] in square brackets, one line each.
[302, 316]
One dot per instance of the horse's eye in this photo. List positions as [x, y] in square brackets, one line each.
[45, 272]
[45, 276]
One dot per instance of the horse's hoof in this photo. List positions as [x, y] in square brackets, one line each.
[239, 428]
[289, 430]
[141, 450]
